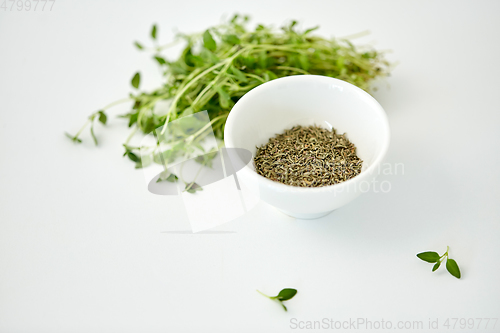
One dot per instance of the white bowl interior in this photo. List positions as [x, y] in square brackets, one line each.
[306, 100]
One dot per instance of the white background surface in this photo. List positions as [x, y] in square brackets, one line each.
[85, 248]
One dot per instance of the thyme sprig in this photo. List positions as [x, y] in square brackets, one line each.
[219, 65]
[436, 259]
[284, 295]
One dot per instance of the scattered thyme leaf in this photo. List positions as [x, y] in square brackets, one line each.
[429, 256]
[436, 266]
[284, 295]
[452, 267]
[434, 257]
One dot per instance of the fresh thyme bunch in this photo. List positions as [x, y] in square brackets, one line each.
[220, 65]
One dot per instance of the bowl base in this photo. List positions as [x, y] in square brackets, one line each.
[305, 216]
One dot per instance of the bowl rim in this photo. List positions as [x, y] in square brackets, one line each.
[228, 132]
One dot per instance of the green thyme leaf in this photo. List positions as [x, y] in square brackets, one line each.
[429, 256]
[239, 74]
[311, 30]
[138, 45]
[160, 60]
[102, 117]
[133, 156]
[436, 266]
[133, 119]
[452, 267]
[136, 80]
[209, 41]
[223, 97]
[172, 178]
[153, 31]
[232, 39]
[286, 294]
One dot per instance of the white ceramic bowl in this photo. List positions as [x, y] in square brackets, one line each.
[274, 106]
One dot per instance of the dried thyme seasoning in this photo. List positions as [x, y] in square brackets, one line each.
[308, 157]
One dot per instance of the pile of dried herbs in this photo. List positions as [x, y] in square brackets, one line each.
[308, 157]
[221, 64]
